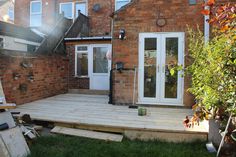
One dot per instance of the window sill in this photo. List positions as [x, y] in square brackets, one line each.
[81, 77]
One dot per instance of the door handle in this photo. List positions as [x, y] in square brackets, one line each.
[163, 68]
[158, 68]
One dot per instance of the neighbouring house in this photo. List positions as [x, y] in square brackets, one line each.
[17, 38]
[125, 46]
[7, 10]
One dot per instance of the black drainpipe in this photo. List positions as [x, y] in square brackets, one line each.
[111, 82]
[111, 87]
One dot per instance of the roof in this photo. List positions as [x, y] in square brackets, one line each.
[12, 30]
[88, 38]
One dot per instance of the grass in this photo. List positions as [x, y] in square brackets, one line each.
[65, 146]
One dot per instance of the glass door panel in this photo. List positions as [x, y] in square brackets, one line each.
[159, 53]
[171, 61]
[150, 64]
[99, 66]
[100, 62]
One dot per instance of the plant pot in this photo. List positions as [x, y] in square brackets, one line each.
[142, 111]
[214, 135]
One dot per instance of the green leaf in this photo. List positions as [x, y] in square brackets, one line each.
[172, 72]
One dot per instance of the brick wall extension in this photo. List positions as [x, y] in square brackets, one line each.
[50, 75]
[75, 82]
[140, 17]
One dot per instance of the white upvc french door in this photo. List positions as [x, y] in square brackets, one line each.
[158, 54]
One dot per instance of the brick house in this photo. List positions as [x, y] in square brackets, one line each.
[146, 37]
[7, 11]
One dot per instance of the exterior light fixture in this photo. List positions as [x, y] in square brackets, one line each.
[122, 34]
[119, 66]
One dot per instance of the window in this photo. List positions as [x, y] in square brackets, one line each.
[1, 43]
[35, 13]
[100, 63]
[70, 9]
[81, 61]
[67, 9]
[121, 3]
[11, 13]
[82, 7]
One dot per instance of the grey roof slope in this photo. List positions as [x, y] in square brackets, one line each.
[12, 30]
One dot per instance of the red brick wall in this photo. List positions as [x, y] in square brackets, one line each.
[141, 16]
[22, 10]
[22, 13]
[100, 22]
[50, 77]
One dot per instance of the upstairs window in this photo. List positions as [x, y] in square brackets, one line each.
[82, 7]
[67, 9]
[11, 13]
[70, 9]
[35, 13]
[120, 3]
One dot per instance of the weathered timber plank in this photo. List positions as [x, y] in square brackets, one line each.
[87, 134]
[15, 142]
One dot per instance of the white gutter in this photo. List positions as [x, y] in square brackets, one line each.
[89, 38]
[206, 25]
[22, 41]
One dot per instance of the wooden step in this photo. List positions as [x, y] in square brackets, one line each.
[90, 92]
[7, 106]
[87, 134]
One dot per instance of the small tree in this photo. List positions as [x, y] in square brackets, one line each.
[214, 65]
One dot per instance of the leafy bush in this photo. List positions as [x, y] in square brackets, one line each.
[213, 73]
[214, 65]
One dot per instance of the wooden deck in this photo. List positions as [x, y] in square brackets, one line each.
[92, 112]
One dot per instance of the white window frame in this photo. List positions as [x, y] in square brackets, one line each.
[86, 9]
[11, 9]
[120, 1]
[73, 8]
[37, 13]
[76, 59]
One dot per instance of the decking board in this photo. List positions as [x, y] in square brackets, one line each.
[94, 112]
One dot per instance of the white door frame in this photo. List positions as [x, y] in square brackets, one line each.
[90, 66]
[160, 71]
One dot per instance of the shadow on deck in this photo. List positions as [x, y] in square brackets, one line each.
[92, 112]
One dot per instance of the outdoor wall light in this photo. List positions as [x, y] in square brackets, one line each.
[16, 76]
[119, 66]
[122, 34]
[31, 77]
